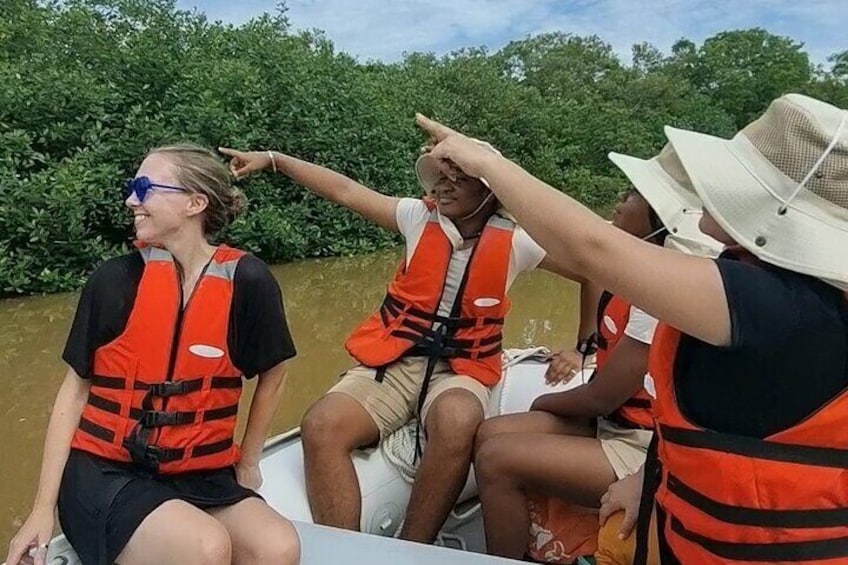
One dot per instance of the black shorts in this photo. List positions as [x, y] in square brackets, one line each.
[103, 502]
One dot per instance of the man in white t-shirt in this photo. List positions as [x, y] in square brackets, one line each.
[432, 351]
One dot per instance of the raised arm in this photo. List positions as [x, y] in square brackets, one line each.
[324, 182]
[684, 291]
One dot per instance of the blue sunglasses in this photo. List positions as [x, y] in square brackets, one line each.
[142, 185]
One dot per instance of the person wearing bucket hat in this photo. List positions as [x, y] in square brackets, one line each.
[665, 185]
[432, 351]
[748, 368]
[675, 206]
[532, 468]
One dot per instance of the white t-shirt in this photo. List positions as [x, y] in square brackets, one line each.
[412, 216]
[640, 326]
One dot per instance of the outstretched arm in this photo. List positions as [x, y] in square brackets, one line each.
[684, 291]
[324, 182]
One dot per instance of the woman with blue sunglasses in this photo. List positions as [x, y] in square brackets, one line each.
[140, 456]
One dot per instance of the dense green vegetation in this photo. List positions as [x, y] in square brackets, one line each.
[87, 86]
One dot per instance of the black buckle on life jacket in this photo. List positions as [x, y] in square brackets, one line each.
[142, 453]
[158, 418]
[394, 307]
[168, 388]
[433, 347]
[148, 456]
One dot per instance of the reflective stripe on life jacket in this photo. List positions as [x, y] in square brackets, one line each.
[613, 316]
[165, 393]
[470, 338]
[740, 499]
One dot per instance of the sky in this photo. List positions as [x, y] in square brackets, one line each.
[386, 29]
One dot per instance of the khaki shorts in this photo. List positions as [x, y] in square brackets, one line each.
[625, 448]
[392, 402]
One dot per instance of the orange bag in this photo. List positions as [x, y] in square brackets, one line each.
[560, 532]
[613, 551]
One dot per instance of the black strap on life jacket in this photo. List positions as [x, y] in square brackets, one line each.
[603, 302]
[433, 356]
[393, 307]
[757, 448]
[618, 417]
[137, 443]
[440, 343]
[769, 518]
[650, 484]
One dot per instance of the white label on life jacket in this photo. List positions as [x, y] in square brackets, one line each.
[208, 351]
[650, 388]
[610, 324]
[486, 302]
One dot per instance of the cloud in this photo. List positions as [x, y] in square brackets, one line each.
[622, 23]
[385, 29]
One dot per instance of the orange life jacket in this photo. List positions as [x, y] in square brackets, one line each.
[165, 393]
[739, 499]
[470, 338]
[613, 316]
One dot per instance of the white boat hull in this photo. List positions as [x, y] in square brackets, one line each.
[385, 493]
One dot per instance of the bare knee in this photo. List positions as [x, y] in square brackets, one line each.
[215, 548]
[325, 426]
[281, 548]
[489, 429]
[286, 548]
[453, 420]
[491, 462]
[176, 532]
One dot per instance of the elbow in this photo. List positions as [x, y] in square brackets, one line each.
[76, 389]
[605, 407]
[273, 382]
[540, 403]
[346, 194]
[600, 405]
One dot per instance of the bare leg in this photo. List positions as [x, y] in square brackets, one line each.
[508, 466]
[259, 534]
[332, 428]
[177, 532]
[533, 422]
[451, 423]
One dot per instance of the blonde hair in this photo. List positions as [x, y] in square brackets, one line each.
[201, 171]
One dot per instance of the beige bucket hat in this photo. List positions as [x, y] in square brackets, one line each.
[663, 182]
[428, 172]
[779, 188]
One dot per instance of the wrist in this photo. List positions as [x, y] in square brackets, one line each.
[249, 460]
[272, 161]
[41, 506]
[587, 346]
[487, 163]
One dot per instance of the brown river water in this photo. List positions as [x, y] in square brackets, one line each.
[324, 300]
